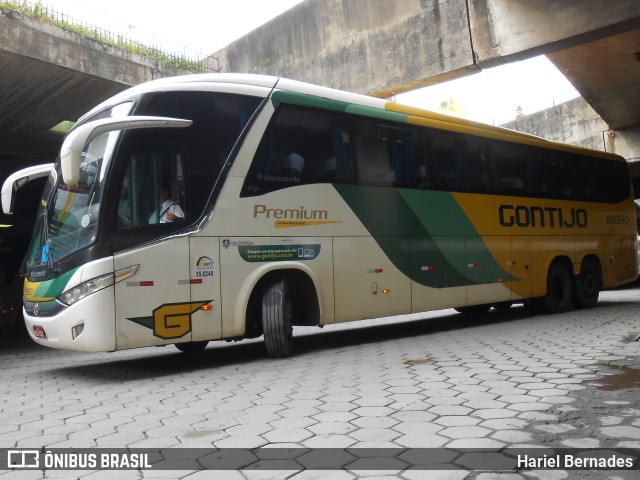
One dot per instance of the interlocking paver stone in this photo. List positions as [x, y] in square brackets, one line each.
[420, 440]
[512, 436]
[622, 431]
[375, 435]
[329, 441]
[457, 420]
[465, 432]
[450, 410]
[287, 435]
[332, 428]
[555, 428]
[249, 429]
[411, 427]
[375, 422]
[373, 411]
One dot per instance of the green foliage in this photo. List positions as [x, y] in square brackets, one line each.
[41, 13]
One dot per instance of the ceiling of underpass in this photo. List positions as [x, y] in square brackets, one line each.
[606, 72]
[36, 95]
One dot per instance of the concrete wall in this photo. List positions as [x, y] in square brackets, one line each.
[576, 123]
[573, 122]
[624, 142]
[26, 36]
[385, 47]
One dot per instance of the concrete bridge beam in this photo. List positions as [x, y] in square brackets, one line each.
[382, 47]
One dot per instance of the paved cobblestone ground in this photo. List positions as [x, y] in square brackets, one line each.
[508, 379]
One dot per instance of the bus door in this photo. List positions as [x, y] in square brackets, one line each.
[153, 306]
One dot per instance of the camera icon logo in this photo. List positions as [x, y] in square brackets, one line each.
[23, 459]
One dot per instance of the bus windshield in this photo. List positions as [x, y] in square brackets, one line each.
[68, 216]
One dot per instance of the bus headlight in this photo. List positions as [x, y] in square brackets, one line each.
[95, 284]
[85, 289]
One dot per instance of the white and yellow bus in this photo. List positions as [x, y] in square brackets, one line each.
[302, 205]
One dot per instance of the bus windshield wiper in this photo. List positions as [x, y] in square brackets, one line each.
[46, 242]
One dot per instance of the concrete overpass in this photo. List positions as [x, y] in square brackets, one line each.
[381, 47]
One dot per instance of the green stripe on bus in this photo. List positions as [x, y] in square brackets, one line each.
[53, 288]
[308, 100]
[443, 218]
[417, 229]
[377, 113]
[335, 105]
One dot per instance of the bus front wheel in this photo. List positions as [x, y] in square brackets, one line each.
[277, 318]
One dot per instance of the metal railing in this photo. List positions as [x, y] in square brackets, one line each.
[118, 34]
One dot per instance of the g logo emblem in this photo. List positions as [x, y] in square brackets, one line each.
[174, 320]
[171, 320]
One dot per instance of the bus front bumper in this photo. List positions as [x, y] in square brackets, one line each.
[87, 326]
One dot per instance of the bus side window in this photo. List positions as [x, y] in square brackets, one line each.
[301, 146]
[509, 165]
[372, 155]
[587, 178]
[424, 152]
[559, 175]
[474, 164]
[443, 160]
[388, 154]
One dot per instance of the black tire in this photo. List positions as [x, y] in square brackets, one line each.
[276, 319]
[586, 286]
[474, 310]
[559, 290]
[192, 347]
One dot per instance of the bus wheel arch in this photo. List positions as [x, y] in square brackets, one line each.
[587, 285]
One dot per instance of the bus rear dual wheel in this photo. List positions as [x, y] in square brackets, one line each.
[562, 290]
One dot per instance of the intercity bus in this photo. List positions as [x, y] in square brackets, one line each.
[304, 205]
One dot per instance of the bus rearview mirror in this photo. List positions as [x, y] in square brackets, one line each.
[19, 179]
[71, 151]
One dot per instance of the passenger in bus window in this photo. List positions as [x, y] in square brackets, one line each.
[125, 206]
[169, 210]
[289, 166]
